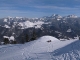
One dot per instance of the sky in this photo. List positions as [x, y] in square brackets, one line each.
[38, 8]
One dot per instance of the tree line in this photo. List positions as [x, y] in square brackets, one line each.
[24, 39]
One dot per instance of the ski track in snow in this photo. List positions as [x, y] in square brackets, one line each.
[38, 50]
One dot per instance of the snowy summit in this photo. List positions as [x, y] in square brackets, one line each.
[47, 38]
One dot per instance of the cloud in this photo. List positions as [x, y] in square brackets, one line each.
[7, 8]
[14, 3]
[57, 7]
[14, 13]
[76, 0]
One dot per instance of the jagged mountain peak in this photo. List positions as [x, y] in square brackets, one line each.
[72, 16]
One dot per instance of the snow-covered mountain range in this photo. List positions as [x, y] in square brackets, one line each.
[61, 27]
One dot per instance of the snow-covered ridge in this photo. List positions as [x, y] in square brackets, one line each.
[5, 20]
[48, 38]
[52, 16]
[71, 16]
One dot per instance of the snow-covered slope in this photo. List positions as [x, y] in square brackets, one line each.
[45, 48]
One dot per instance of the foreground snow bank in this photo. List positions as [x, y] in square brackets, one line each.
[68, 52]
[42, 50]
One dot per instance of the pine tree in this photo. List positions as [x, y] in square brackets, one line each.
[22, 41]
[27, 38]
[14, 42]
[6, 41]
[34, 36]
[11, 41]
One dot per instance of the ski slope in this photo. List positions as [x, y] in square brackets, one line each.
[41, 49]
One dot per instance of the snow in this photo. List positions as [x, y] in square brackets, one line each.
[69, 30]
[1, 43]
[47, 38]
[6, 26]
[20, 24]
[5, 20]
[29, 24]
[72, 16]
[18, 17]
[58, 19]
[5, 37]
[38, 24]
[42, 50]
[11, 38]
